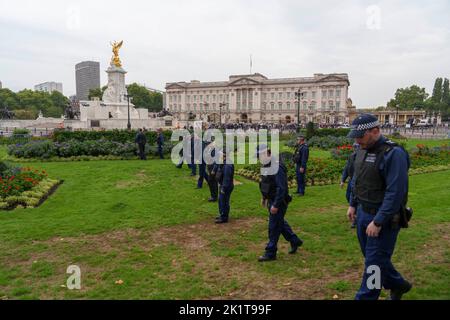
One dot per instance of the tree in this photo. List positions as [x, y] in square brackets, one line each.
[144, 98]
[310, 130]
[409, 98]
[446, 93]
[437, 91]
[97, 93]
[27, 103]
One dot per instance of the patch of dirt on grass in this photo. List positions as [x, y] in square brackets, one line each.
[139, 179]
[434, 251]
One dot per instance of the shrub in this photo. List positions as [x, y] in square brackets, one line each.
[34, 149]
[21, 131]
[329, 142]
[116, 135]
[77, 149]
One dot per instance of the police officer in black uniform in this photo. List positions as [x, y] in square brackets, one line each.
[378, 203]
[275, 196]
[347, 173]
[301, 156]
[212, 170]
[141, 140]
[225, 178]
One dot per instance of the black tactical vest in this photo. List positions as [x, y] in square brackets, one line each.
[268, 186]
[369, 187]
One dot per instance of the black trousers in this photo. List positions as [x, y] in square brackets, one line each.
[213, 185]
[142, 151]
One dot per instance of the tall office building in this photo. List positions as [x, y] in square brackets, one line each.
[87, 75]
[49, 87]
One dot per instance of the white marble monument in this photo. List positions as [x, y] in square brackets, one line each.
[114, 104]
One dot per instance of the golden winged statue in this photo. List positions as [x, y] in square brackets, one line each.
[115, 60]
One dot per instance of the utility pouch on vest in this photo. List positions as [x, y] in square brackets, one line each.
[405, 216]
[288, 199]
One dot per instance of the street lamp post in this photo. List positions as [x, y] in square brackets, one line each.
[222, 104]
[298, 95]
[127, 96]
[396, 116]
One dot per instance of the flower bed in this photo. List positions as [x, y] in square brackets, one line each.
[328, 171]
[319, 172]
[24, 187]
[342, 152]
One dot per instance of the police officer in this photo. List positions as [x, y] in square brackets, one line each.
[212, 170]
[225, 177]
[160, 142]
[347, 173]
[192, 164]
[274, 190]
[202, 166]
[380, 192]
[141, 140]
[301, 156]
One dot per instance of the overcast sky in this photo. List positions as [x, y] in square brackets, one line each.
[382, 45]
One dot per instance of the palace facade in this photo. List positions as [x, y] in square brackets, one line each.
[254, 98]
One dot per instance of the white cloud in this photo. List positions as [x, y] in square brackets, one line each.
[177, 40]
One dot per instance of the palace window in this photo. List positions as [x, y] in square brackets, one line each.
[280, 95]
[288, 95]
[288, 105]
[338, 93]
[313, 95]
[280, 105]
[272, 96]
[304, 105]
[323, 105]
[272, 105]
[330, 93]
[324, 94]
[338, 105]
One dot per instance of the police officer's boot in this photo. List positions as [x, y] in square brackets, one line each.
[294, 246]
[396, 294]
[265, 258]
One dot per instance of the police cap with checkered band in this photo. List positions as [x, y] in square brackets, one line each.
[361, 124]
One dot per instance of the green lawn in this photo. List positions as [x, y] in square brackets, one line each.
[145, 223]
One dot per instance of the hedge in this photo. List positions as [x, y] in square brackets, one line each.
[116, 135]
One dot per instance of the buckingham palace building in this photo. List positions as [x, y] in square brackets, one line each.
[254, 98]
